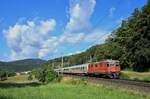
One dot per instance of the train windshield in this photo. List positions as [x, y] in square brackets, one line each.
[117, 63]
[113, 64]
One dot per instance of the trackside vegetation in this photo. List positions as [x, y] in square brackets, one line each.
[68, 88]
[45, 74]
[144, 76]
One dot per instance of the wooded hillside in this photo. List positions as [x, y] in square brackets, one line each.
[21, 65]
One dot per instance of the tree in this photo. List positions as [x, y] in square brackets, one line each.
[46, 74]
[3, 75]
[30, 77]
[134, 38]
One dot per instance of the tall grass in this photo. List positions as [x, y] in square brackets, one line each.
[67, 89]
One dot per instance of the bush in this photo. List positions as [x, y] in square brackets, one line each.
[3, 75]
[137, 79]
[46, 75]
[30, 77]
[124, 76]
[58, 78]
[10, 74]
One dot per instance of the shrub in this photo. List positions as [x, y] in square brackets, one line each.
[124, 76]
[30, 77]
[3, 75]
[46, 75]
[58, 78]
[10, 74]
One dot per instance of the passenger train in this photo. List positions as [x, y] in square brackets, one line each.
[107, 68]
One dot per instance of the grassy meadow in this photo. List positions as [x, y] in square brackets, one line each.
[68, 88]
[18, 78]
[142, 76]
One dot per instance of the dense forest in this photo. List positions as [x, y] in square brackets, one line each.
[129, 43]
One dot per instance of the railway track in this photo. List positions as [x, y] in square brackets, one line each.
[122, 83]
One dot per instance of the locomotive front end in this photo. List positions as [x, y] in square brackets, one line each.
[113, 68]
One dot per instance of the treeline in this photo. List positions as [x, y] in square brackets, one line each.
[130, 44]
[5, 74]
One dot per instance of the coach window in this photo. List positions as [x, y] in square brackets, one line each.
[111, 64]
[82, 68]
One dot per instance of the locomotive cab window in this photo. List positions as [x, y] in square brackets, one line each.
[117, 64]
[111, 64]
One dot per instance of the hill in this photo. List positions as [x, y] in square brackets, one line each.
[21, 65]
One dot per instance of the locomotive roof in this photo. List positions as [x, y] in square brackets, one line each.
[107, 60]
[110, 60]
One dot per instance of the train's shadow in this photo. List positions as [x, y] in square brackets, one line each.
[18, 85]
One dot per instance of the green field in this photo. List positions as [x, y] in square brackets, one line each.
[142, 76]
[67, 89]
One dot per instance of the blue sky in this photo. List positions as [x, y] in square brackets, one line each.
[50, 28]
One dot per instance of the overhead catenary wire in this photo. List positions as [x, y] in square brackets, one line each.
[101, 20]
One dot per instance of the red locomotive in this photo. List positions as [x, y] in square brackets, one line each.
[109, 68]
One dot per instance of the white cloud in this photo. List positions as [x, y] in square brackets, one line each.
[97, 36]
[77, 52]
[30, 39]
[80, 13]
[111, 11]
[71, 38]
[48, 46]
